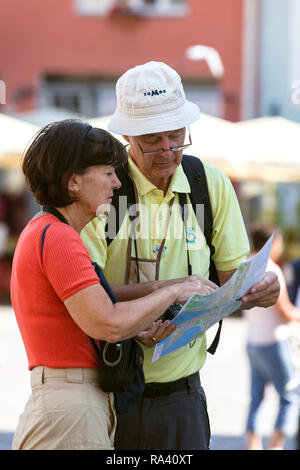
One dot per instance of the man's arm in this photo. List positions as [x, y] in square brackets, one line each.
[286, 308]
[263, 294]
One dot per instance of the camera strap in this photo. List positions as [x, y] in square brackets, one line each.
[133, 216]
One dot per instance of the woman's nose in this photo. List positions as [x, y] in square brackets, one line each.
[116, 182]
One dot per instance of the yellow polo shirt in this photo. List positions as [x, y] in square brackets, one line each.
[229, 239]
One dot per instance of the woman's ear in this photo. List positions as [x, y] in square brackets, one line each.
[74, 183]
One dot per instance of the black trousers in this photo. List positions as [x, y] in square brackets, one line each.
[170, 416]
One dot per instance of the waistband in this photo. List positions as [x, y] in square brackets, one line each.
[78, 375]
[188, 384]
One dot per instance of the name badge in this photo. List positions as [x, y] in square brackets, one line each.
[191, 235]
[155, 249]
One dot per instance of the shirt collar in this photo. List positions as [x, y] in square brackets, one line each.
[179, 182]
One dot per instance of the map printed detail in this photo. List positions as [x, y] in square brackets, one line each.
[201, 312]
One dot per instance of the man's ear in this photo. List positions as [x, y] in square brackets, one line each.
[126, 138]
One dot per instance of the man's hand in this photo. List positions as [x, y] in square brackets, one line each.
[156, 332]
[263, 294]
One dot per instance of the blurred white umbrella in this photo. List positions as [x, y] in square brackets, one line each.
[43, 116]
[102, 123]
[15, 135]
[262, 149]
[211, 137]
[268, 149]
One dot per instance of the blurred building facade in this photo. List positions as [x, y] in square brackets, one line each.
[271, 74]
[68, 54]
[280, 59]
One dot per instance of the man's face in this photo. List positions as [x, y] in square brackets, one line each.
[160, 165]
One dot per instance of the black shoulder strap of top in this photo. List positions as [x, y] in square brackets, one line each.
[57, 214]
[124, 197]
[43, 239]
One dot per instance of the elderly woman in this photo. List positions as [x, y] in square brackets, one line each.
[57, 298]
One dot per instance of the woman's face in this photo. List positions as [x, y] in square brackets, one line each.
[95, 189]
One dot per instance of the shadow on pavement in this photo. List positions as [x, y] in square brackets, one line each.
[217, 442]
[6, 440]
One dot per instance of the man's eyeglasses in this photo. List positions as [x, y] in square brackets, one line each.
[173, 149]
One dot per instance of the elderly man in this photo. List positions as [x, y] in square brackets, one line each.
[153, 116]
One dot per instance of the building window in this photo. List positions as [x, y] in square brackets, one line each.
[94, 7]
[159, 7]
[208, 97]
[88, 98]
[136, 7]
[92, 97]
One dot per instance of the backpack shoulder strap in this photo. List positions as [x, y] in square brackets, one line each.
[195, 173]
[194, 170]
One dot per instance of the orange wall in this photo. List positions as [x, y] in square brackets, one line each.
[40, 37]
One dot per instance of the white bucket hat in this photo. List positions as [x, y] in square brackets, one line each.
[150, 98]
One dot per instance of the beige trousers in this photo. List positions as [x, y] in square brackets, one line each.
[66, 411]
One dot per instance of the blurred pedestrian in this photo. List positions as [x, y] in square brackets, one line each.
[293, 285]
[294, 293]
[56, 295]
[268, 348]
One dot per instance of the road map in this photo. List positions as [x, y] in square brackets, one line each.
[201, 312]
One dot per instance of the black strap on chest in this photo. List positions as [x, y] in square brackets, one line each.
[199, 195]
[124, 198]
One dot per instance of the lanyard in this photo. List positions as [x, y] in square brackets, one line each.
[134, 220]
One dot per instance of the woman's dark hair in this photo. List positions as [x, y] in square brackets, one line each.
[61, 149]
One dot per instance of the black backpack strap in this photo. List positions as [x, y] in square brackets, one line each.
[195, 173]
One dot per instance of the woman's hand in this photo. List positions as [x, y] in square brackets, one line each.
[202, 279]
[156, 333]
[159, 330]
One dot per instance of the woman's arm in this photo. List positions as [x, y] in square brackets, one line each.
[98, 317]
